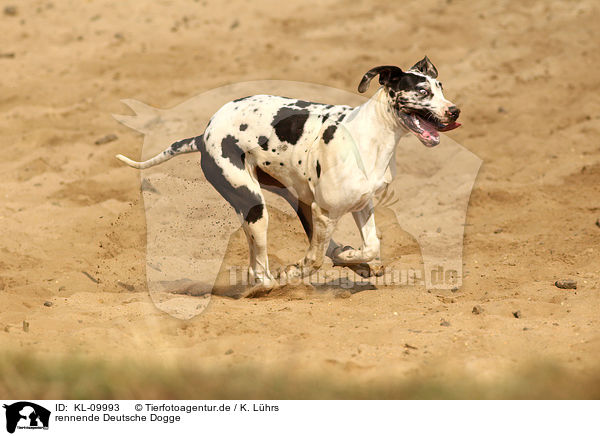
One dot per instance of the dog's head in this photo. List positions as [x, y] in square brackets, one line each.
[417, 99]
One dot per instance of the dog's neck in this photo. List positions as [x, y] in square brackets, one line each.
[377, 131]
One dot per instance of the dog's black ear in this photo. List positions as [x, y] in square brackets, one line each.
[387, 75]
[426, 67]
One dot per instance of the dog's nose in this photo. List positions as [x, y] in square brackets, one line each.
[453, 112]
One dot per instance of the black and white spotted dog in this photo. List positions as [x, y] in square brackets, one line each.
[325, 160]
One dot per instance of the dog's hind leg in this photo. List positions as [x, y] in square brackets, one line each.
[302, 209]
[260, 279]
[255, 222]
[321, 230]
[251, 253]
[242, 191]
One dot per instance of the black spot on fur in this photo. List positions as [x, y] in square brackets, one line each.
[255, 213]
[302, 103]
[305, 214]
[230, 150]
[341, 117]
[263, 141]
[176, 146]
[289, 124]
[243, 127]
[328, 133]
[408, 82]
[243, 200]
[303, 210]
[318, 169]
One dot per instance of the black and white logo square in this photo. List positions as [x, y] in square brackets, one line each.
[24, 415]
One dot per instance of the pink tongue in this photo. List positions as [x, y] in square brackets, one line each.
[451, 126]
[427, 127]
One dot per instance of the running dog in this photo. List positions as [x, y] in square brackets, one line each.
[325, 160]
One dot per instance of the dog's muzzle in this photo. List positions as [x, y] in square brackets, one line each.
[426, 127]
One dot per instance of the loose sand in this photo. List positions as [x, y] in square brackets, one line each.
[526, 78]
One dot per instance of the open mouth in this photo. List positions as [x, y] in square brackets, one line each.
[425, 127]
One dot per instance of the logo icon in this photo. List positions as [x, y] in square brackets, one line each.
[26, 415]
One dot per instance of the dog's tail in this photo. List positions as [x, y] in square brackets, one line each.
[188, 145]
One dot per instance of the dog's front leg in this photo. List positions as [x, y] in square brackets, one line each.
[323, 227]
[365, 261]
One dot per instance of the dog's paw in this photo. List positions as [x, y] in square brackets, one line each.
[290, 274]
[365, 270]
[376, 268]
[257, 291]
[335, 254]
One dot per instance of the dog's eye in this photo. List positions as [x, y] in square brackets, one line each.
[423, 92]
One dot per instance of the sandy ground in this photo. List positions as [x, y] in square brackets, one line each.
[526, 78]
